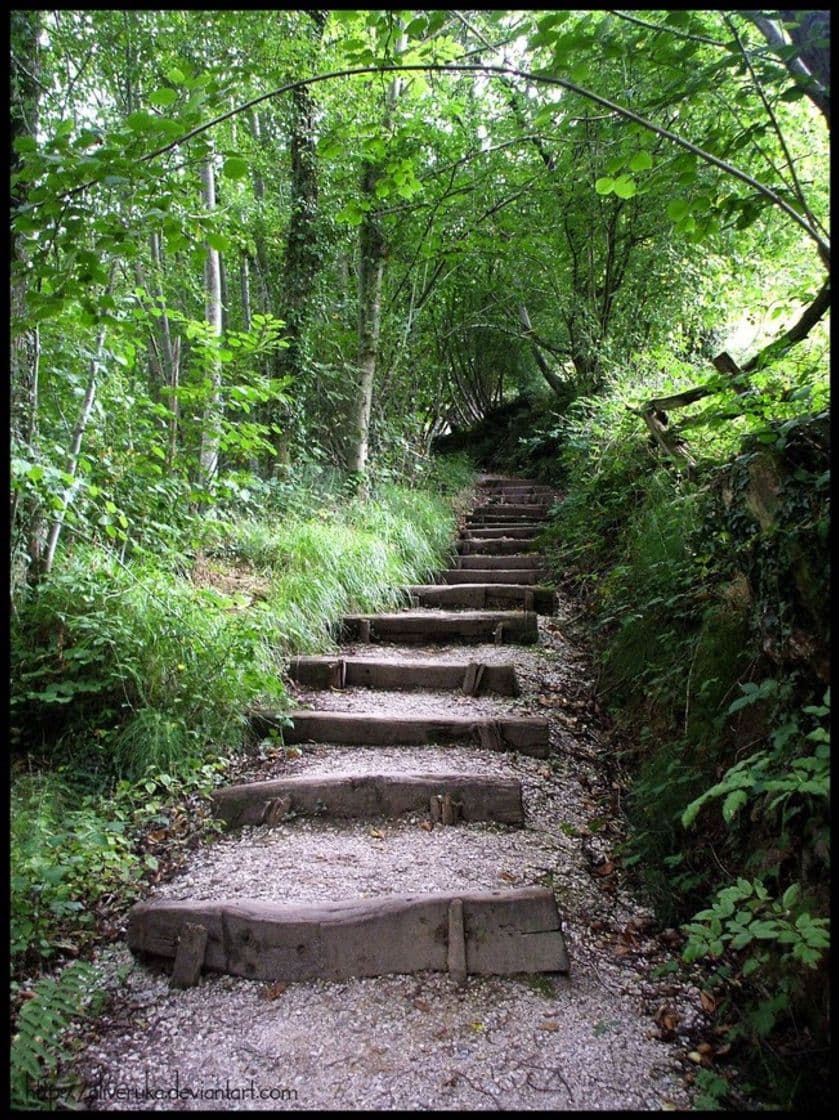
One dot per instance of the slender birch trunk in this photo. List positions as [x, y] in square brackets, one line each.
[211, 428]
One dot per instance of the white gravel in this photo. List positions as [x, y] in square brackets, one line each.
[578, 1043]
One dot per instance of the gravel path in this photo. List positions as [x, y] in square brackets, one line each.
[415, 1042]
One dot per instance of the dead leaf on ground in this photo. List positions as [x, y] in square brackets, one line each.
[605, 868]
[507, 876]
[421, 1005]
[549, 1025]
[667, 1018]
[709, 1004]
[274, 990]
[376, 834]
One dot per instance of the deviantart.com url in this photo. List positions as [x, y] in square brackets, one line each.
[107, 1090]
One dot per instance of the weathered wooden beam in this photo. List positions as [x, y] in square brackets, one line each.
[505, 932]
[370, 795]
[489, 546]
[520, 627]
[528, 734]
[485, 595]
[528, 561]
[514, 532]
[492, 575]
[393, 673]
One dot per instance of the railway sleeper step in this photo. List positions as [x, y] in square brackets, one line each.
[529, 576]
[493, 547]
[483, 933]
[513, 532]
[514, 561]
[411, 627]
[480, 596]
[472, 677]
[536, 511]
[444, 798]
[527, 734]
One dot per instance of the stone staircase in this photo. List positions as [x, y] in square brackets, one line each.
[490, 594]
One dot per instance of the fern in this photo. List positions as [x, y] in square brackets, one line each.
[43, 1020]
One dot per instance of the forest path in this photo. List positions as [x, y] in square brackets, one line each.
[417, 1040]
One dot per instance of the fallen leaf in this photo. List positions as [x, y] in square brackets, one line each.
[428, 826]
[476, 1026]
[708, 1002]
[705, 1048]
[695, 1057]
[507, 876]
[723, 1050]
[421, 1005]
[667, 1019]
[549, 1025]
[374, 832]
[545, 773]
[605, 868]
[669, 1106]
[274, 990]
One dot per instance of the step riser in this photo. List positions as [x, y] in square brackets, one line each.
[517, 627]
[528, 576]
[526, 734]
[516, 533]
[369, 795]
[533, 511]
[486, 597]
[327, 672]
[499, 933]
[532, 562]
[489, 546]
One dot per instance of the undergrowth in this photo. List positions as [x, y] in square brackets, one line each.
[133, 679]
[707, 594]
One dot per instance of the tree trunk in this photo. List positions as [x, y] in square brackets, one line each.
[26, 523]
[555, 382]
[371, 271]
[370, 274]
[211, 428]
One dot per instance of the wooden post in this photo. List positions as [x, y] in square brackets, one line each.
[364, 630]
[189, 956]
[276, 809]
[456, 956]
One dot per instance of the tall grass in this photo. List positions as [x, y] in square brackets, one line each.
[130, 674]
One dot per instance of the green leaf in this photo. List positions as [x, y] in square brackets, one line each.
[604, 185]
[733, 803]
[641, 161]
[625, 187]
[677, 209]
[235, 167]
[218, 241]
[175, 76]
[163, 98]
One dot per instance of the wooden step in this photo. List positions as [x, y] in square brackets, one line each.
[528, 734]
[506, 516]
[369, 795]
[518, 627]
[484, 933]
[348, 672]
[533, 511]
[529, 562]
[493, 546]
[537, 526]
[512, 532]
[527, 576]
[506, 493]
[483, 596]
